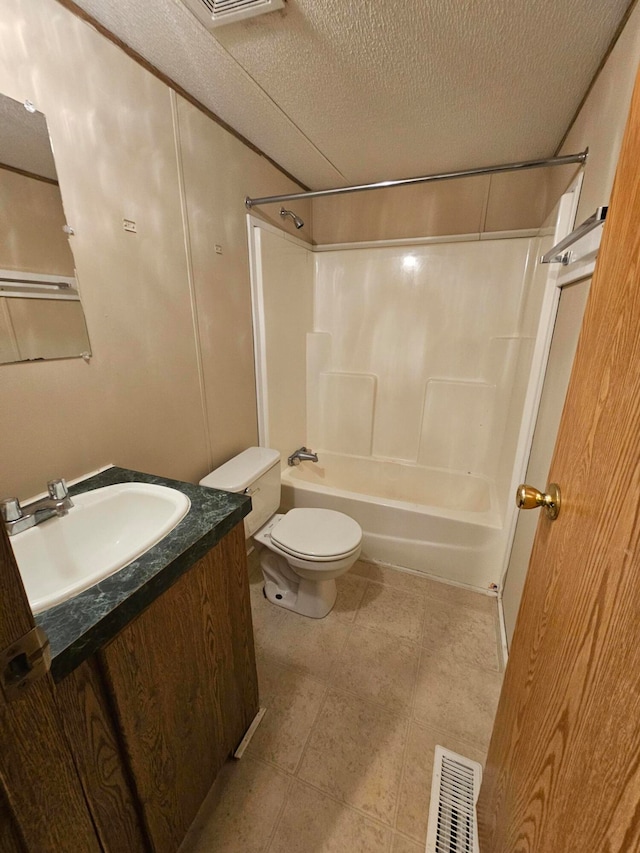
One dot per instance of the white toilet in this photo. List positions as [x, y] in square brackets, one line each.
[305, 550]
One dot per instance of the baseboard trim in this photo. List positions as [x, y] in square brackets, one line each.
[504, 646]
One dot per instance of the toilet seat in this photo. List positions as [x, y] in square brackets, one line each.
[319, 535]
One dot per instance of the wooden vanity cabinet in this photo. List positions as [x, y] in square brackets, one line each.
[158, 710]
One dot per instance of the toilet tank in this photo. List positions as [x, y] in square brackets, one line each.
[255, 472]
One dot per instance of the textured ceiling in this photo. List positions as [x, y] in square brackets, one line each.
[356, 90]
[24, 139]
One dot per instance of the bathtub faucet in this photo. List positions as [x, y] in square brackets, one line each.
[301, 454]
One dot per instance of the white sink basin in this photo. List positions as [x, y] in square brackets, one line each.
[104, 531]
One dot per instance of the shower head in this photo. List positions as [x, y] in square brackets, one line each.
[296, 219]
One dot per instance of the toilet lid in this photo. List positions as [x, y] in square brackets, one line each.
[319, 533]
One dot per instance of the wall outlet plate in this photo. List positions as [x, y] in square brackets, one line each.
[130, 225]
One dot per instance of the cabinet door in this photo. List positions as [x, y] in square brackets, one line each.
[93, 735]
[42, 805]
[183, 683]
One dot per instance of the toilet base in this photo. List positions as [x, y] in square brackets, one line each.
[284, 589]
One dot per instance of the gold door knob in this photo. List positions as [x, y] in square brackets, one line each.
[529, 498]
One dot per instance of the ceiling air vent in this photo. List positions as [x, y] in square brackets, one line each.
[216, 13]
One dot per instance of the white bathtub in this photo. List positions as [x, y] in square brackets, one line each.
[442, 523]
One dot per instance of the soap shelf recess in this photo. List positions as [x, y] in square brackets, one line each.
[560, 253]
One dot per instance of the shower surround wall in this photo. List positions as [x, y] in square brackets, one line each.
[417, 357]
[414, 350]
[286, 277]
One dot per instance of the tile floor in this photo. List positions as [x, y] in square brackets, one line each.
[356, 703]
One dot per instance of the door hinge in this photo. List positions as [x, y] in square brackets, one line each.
[24, 661]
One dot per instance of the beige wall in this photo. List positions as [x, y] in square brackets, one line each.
[32, 240]
[602, 120]
[9, 350]
[465, 206]
[218, 172]
[31, 220]
[151, 398]
[46, 328]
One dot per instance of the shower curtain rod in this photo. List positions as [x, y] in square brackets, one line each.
[424, 179]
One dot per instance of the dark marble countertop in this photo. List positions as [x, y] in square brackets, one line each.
[79, 627]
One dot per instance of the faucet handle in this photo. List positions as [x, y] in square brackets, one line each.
[10, 509]
[58, 489]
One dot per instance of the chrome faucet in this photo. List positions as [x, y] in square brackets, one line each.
[18, 518]
[301, 454]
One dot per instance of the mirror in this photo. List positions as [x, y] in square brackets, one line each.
[40, 312]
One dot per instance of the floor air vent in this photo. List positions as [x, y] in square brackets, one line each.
[452, 814]
[215, 13]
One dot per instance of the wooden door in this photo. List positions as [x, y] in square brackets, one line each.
[563, 771]
[42, 805]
